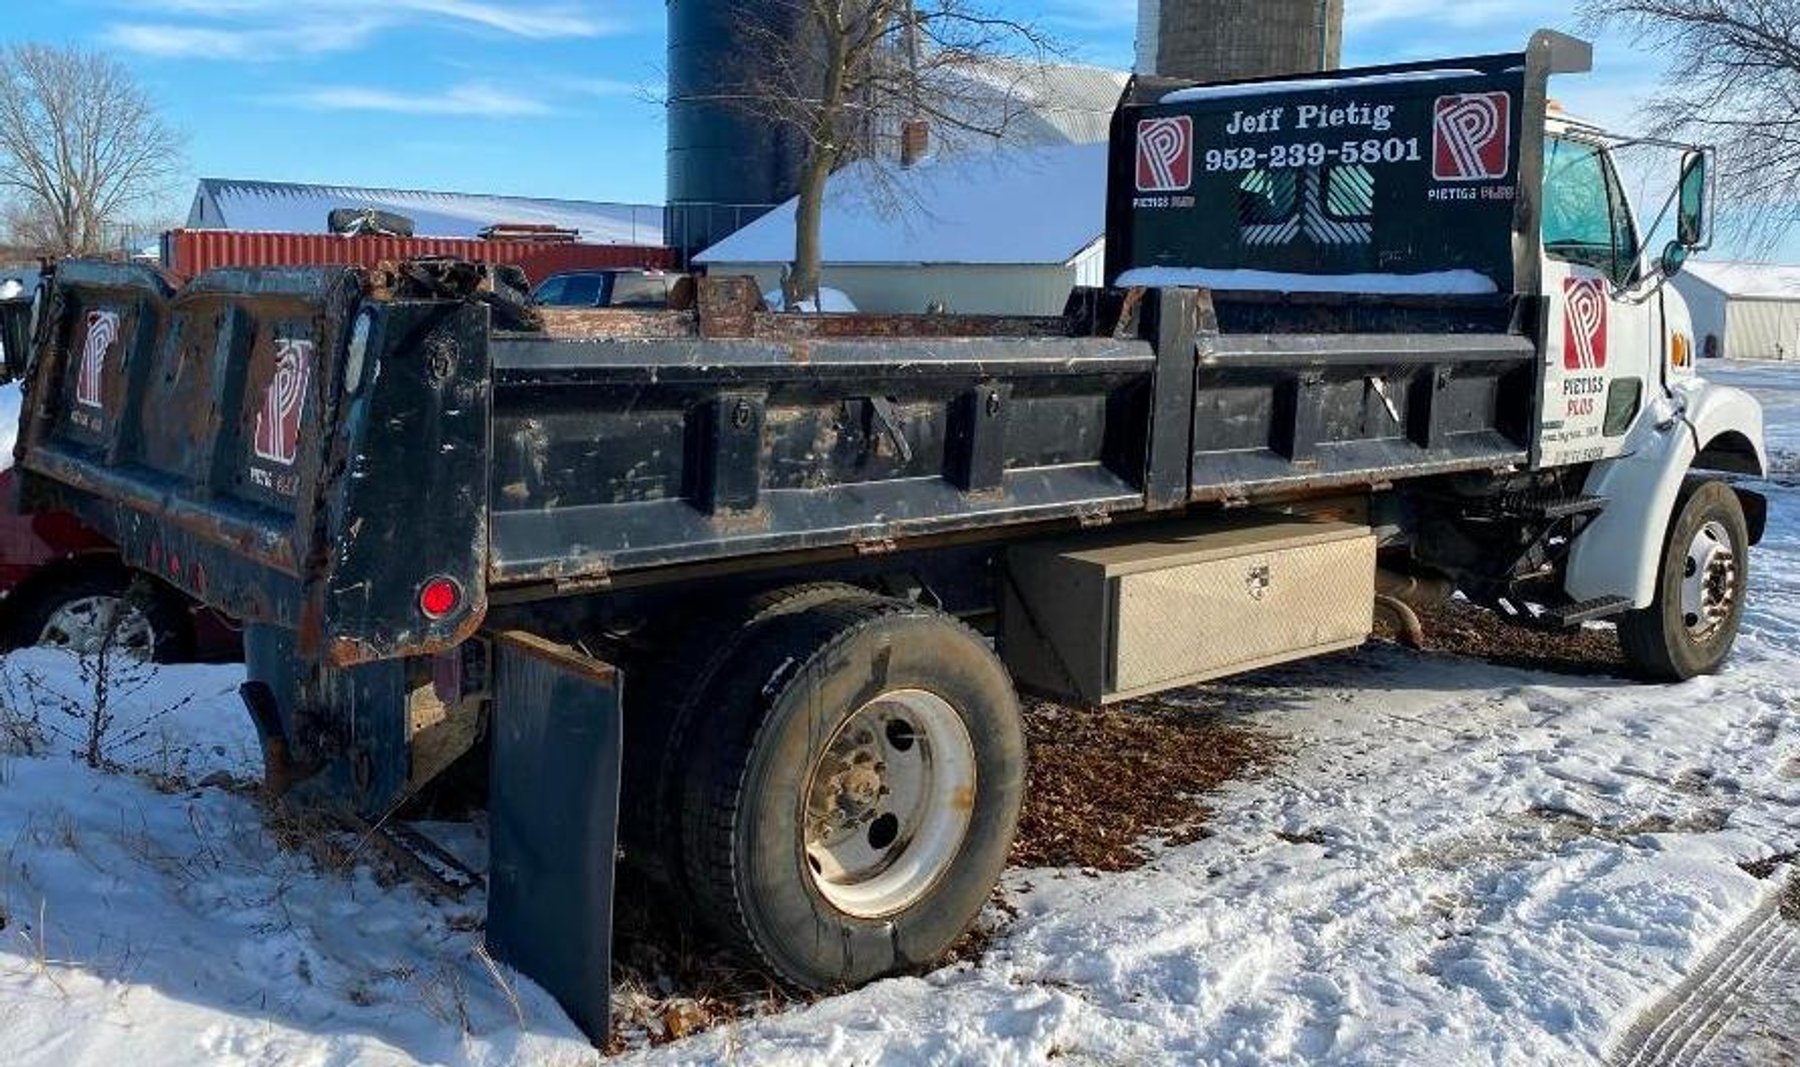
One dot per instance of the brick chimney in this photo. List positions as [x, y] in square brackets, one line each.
[915, 141]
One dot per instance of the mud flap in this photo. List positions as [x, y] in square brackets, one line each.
[553, 813]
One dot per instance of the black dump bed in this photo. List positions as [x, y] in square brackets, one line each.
[313, 448]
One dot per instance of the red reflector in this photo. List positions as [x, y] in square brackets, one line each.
[439, 597]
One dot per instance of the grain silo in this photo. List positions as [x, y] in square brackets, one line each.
[728, 165]
[1223, 40]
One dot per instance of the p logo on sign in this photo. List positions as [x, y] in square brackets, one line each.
[1584, 323]
[284, 403]
[1165, 155]
[1471, 137]
[102, 331]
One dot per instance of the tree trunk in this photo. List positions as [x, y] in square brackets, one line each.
[803, 279]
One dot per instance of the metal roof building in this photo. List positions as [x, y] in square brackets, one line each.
[288, 207]
[1744, 310]
[1032, 103]
[1005, 231]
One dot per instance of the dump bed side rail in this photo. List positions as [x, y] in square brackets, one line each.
[365, 463]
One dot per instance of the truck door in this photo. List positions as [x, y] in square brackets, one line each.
[1603, 349]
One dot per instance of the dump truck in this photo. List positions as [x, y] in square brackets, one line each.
[748, 599]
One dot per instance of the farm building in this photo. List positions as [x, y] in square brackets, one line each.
[1744, 310]
[290, 207]
[1007, 231]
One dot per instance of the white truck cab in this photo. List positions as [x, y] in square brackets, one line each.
[1622, 393]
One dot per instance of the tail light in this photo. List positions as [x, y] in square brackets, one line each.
[440, 597]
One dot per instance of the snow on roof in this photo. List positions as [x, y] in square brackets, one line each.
[231, 204]
[1751, 281]
[1040, 103]
[1009, 206]
[1433, 283]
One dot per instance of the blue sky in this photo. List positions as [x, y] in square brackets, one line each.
[558, 97]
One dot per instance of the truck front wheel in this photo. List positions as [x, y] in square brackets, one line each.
[1689, 628]
[851, 806]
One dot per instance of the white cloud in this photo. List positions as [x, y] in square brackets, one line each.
[274, 29]
[467, 100]
[212, 42]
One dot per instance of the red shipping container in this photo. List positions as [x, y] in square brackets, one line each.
[189, 252]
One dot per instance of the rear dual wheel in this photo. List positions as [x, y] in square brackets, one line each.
[856, 773]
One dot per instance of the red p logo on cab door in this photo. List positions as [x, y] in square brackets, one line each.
[1584, 324]
[1471, 137]
[284, 403]
[1165, 155]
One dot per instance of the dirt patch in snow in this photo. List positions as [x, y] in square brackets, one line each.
[1462, 629]
[1106, 784]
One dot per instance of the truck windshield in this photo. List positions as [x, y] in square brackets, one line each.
[1586, 220]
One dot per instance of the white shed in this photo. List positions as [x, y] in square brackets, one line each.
[1752, 309]
[1009, 231]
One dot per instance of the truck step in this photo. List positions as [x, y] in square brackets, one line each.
[1569, 616]
[1563, 507]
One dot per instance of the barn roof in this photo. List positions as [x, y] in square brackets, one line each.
[289, 207]
[1011, 206]
[1749, 281]
[1037, 103]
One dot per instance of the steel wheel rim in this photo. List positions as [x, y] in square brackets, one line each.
[80, 626]
[889, 803]
[1709, 581]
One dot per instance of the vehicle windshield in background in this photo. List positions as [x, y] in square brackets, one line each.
[607, 288]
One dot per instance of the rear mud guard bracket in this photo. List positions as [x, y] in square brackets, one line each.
[553, 813]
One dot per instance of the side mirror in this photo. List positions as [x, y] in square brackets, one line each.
[1674, 258]
[1690, 226]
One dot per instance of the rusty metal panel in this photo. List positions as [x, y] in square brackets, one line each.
[191, 252]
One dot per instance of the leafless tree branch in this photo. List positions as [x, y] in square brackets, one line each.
[1734, 81]
[82, 148]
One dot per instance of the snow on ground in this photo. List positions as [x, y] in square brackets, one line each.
[1458, 863]
[11, 399]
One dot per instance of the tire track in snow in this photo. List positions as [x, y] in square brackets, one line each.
[1678, 1030]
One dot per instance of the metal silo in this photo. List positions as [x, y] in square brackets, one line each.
[1223, 40]
[727, 167]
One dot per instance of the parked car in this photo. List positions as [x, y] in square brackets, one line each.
[624, 288]
[63, 585]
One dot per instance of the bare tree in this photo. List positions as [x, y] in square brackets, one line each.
[82, 147]
[855, 78]
[1735, 82]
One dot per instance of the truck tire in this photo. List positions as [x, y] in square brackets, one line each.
[1690, 626]
[852, 800]
[664, 704]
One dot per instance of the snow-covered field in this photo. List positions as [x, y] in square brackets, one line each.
[1457, 863]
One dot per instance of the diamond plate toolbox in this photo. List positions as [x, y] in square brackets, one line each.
[1145, 611]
